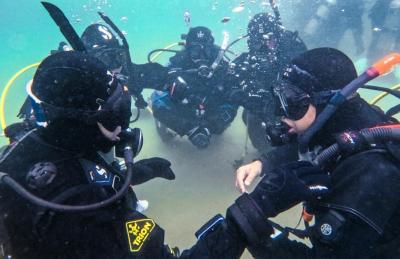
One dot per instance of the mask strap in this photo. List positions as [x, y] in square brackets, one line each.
[37, 108]
[282, 101]
[44, 112]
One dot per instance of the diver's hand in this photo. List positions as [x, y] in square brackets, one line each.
[148, 169]
[288, 185]
[246, 174]
[140, 103]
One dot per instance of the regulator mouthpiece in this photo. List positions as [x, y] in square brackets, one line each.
[132, 138]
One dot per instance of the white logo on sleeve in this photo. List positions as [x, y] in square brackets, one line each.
[326, 229]
[200, 34]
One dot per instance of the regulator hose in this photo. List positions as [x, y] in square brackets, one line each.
[128, 156]
[149, 56]
[372, 135]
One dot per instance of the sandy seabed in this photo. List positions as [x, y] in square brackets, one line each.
[204, 184]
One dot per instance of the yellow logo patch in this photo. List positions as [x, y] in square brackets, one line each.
[138, 231]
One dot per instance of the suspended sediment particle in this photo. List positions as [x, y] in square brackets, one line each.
[226, 19]
[238, 9]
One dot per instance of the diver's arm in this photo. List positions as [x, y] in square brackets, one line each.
[225, 242]
[278, 156]
[281, 248]
[150, 76]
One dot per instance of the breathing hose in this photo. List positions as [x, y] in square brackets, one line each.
[128, 156]
[372, 135]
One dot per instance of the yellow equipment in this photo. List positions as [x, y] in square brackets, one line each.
[7, 89]
[383, 95]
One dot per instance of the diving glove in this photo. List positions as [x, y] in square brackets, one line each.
[147, 169]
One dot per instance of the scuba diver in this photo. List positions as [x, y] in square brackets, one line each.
[271, 48]
[331, 20]
[59, 199]
[100, 41]
[195, 102]
[385, 29]
[358, 215]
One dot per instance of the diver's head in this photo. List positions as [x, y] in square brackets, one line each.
[78, 102]
[264, 33]
[99, 36]
[308, 84]
[200, 45]
[102, 43]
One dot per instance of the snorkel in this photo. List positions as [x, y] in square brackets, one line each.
[382, 67]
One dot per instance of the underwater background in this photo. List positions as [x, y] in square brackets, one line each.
[205, 178]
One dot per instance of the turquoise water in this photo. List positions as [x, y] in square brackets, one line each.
[28, 33]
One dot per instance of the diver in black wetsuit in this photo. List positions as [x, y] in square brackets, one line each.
[358, 215]
[82, 108]
[271, 48]
[102, 43]
[195, 103]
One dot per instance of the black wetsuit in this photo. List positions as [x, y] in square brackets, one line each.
[252, 71]
[204, 102]
[359, 218]
[116, 231]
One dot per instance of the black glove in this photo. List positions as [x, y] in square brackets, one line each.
[140, 103]
[150, 76]
[289, 185]
[147, 169]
